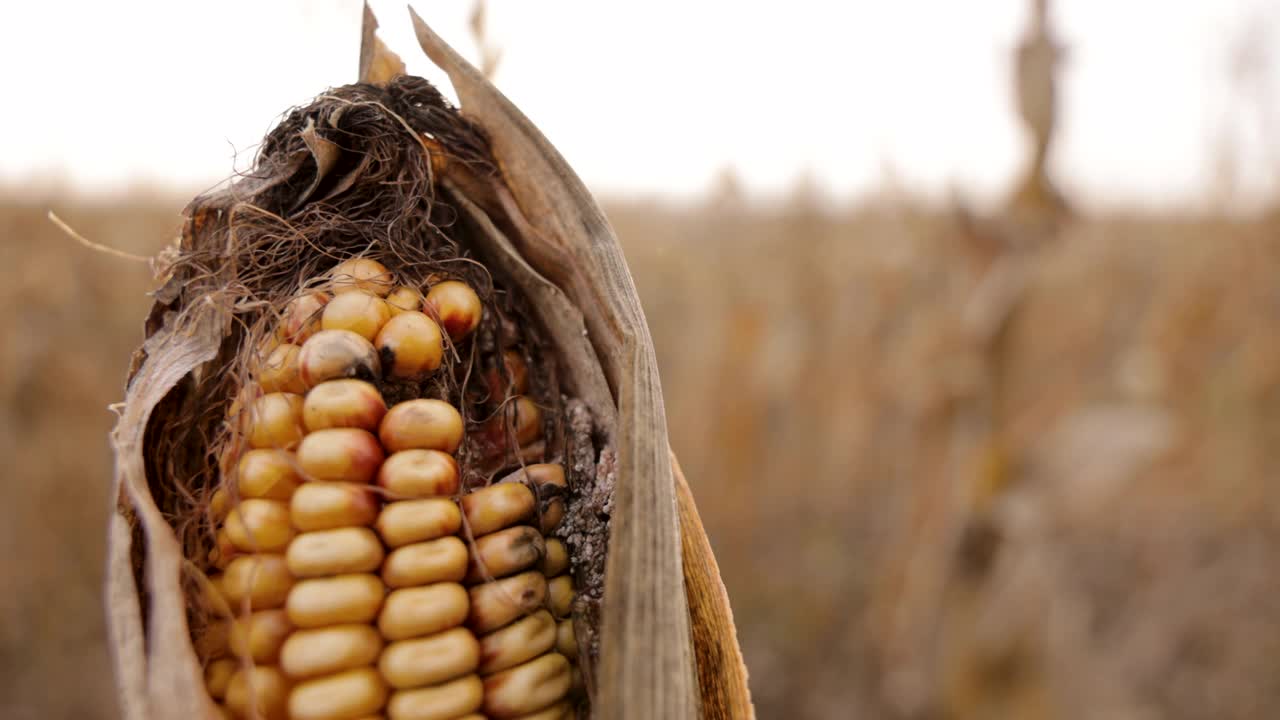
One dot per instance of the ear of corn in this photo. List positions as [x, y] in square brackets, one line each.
[360, 580]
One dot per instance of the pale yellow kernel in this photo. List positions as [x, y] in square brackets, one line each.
[519, 642]
[260, 635]
[527, 688]
[334, 552]
[262, 689]
[419, 474]
[341, 696]
[326, 650]
[275, 421]
[433, 561]
[343, 403]
[262, 580]
[217, 676]
[362, 274]
[438, 702]
[410, 345]
[556, 560]
[415, 612]
[560, 596]
[318, 602]
[280, 371]
[257, 525]
[424, 423]
[359, 312]
[566, 639]
[430, 660]
[340, 454]
[267, 473]
[302, 317]
[411, 521]
[328, 505]
[404, 299]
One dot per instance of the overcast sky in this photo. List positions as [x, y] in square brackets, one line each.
[656, 98]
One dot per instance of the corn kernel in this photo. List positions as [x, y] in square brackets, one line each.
[343, 404]
[562, 710]
[359, 312]
[362, 274]
[512, 377]
[260, 635]
[496, 507]
[275, 421]
[556, 560]
[442, 560]
[410, 345]
[411, 521]
[324, 506]
[341, 454]
[257, 525]
[262, 580]
[404, 299]
[280, 371]
[500, 602]
[520, 418]
[424, 423]
[302, 317]
[519, 642]
[326, 650]
[505, 552]
[456, 306]
[219, 504]
[217, 676]
[430, 660]
[419, 474]
[527, 688]
[566, 639]
[334, 552]
[560, 596]
[318, 602]
[426, 610]
[267, 473]
[262, 689]
[224, 550]
[439, 702]
[348, 694]
[549, 482]
[337, 354]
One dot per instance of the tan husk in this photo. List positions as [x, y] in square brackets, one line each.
[528, 218]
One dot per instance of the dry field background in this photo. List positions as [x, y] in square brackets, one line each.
[947, 473]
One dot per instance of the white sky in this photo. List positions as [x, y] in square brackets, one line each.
[657, 97]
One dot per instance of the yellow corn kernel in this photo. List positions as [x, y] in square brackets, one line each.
[411, 344]
[348, 694]
[302, 317]
[267, 473]
[217, 676]
[275, 421]
[555, 560]
[566, 639]
[562, 710]
[219, 504]
[411, 521]
[262, 689]
[339, 600]
[224, 551]
[430, 660]
[439, 702]
[456, 306]
[500, 602]
[344, 403]
[424, 423]
[419, 474]
[527, 688]
[337, 354]
[519, 642]
[496, 507]
[511, 378]
[260, 635]
[261, 580]
[560, 596]
[324, 506]
[404, 299]
[362, 274]
[280, 372]
[505, 552]
[257, 525]
[334, 552]
[440, 560]
[327, 650]
[426, 610]
[340, 454]
[359, 312]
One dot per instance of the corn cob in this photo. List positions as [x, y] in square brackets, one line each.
[361, 579]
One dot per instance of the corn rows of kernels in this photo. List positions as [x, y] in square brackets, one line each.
[343, 607]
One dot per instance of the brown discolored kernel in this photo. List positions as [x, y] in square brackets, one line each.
[509, 378]
[275, 421]
[430, 660]
[362, 274]
[325, 650]
[425, 610]
[425, 423]
[496, 507]
[280, 371]
[440, 560]
[519, 642]
[504, 553]
[548, 483]
[340, 454]
[527, 688]
[324, 506]
[359, 312]
[337, 354]
[412, 521]
[419, 474]
[346, 403]
[519, 419]
[456, 306]
[500, 602]
[410, 345]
